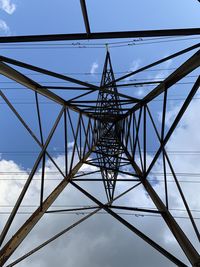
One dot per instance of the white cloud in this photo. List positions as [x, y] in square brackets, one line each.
[97, 236]
[7, 6]
[140, 92]
[4, 27]
[94, 67]
[9, 189]
[163, 73]
[184, 147]
[134, 66]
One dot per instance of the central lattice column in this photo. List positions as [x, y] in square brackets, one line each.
[108, 130]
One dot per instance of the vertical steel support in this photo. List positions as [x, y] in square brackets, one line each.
[20, 235]
[108, 136]
[180, 236]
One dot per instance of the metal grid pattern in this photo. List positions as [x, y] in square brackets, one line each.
[108, 132]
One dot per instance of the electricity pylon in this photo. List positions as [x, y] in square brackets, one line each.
[110, 133]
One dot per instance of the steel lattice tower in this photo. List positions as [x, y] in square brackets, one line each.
[109, 131]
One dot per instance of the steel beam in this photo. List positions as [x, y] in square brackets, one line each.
[100, 35]
[189, 250]
[66, 229]
[29, 179]
[21, 234]
[131, 227]
[15, 75]
[108, 142]
[175, 179]
[20, 78]
[85, 16]
[46, 72]
[191, 64]
[177, 54]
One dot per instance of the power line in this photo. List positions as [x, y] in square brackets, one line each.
[137, 215]
[89, 206]
[132, 80]
[57, 179]
[50, 103]
[174, 152]
[83, 45]
[100, 73]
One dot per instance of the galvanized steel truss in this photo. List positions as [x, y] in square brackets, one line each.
[108, 132]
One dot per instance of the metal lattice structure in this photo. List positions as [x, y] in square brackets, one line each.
[109, 132]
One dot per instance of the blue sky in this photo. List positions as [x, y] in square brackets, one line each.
[43, 17]
[40, 17]
[23, 17]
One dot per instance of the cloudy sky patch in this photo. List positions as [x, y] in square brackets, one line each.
[94, 68]
[8, 6]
